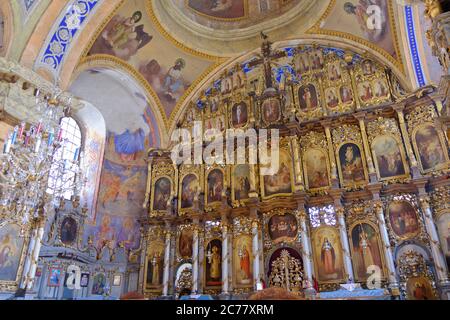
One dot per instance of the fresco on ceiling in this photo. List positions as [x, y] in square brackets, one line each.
[224, 9]
[351, 17]
[132, 37]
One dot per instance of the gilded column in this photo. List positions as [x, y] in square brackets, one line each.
[195, 273]
[149, 183]
[406, 140]
[438, 257]
[297, 167]
[35, 255]
[334, 177]
[362, 126]
[167, 247]
[225, 256]
[306, 244]
[256, 253]
[344, 242]
[387, 250]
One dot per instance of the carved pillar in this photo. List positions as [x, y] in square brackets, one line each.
[167, 246]
[195, 246]
[297, 167]
[256, 251]
[344, 242]
[334, 178]
[438, 257]
[148, 189]
[35, 255]
[362, 125]
[306, 245]
[28, 259]
[407, 141]
[225, 256]
[142, 277]
[387, 250]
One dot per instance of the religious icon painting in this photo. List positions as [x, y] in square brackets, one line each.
[302, 63]
[316, 58]
[279, 183]
[316, 169]
[54, 277]
[282, 228]
[185, 242]
[419, 288]
[84, 281]
[365, 91]
[214, 104]
[271, 111]
[239, 115]
[68, 231]
[331, 97]
[368, 68]
[242, 262]
[189, 189]
[11, 248]
[351, 165]
[346, 94]
[215, 186]
[366, 250]
[443, 226]
[213, 264]
[388, 157]
[155, 264]
[241, 182]
[430, 147]
[308, 98]
[328, 255]
[380, 89]
[334, 71]
[161, 194]
[403, 219]
[99, 283]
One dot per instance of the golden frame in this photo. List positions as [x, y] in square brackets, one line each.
[281, 110]
[235, 201]
[152, 288]
[234, 103]
[234, 254]
[442, 144]
[410, 235]
[207, 242]
[183, 173]
[305, 169]
[281, 212]
[181, 228]
[380, 248]
[224, 171]
[152, 197]
[11, 286]
[284, 149]
[402, 154]
[315, 255]
[363, 159]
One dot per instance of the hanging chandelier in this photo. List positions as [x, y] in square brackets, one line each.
[34, 174]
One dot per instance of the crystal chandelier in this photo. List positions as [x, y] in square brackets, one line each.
[32, 158]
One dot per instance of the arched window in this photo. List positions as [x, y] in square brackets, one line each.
[62, 174]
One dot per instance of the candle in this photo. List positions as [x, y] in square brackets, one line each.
[8, 143]
[14, 136]
[39, 127]
[27, 139]
[38, 144]
[51, 135]
[75, 156]
[60, 132]
[21, 130]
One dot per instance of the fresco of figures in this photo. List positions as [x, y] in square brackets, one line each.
[351, 164]
[366, 251]
[328, 255]
[403, 219]
[428, 145]
[213, 264]
[389, 159]
[283, 228]
[242, 261]
[11, 246]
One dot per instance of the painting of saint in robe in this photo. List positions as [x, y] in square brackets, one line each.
[302, 64]
[243, 261]
[366, 251]
[365, 91]
[368, 68]
[283, 228]
[308, 97]
[351, 163]
[221, 9]
[98, 287]
[154, 277]
[189, 189]
[215, 186]
[122, 37]
[68, 230]
[328, 257]
[316, 168]
[241, 182]
[271, 110]
[54, 277]
[281, 181]
[334, 72]
[380, 88]
[161, 194]
[388, 157]
[185, 243]
[403, 219]
[419, 288]
[346, 95]
[328, 254]
[239, 115]
[331, 98]
[11, 245]
[316, 58]
[213, 258]
[429, 147]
